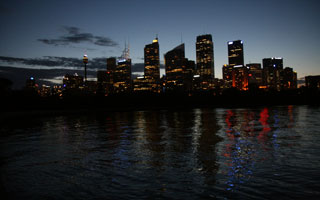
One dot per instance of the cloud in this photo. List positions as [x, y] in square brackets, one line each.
[97, 63]
[75, 36]
[56, 62]
[46, 61]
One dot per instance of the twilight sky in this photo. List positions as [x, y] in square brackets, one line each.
[52, 34]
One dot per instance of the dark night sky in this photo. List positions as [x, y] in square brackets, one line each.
[57, 31]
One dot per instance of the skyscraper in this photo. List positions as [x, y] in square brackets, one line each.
[174, 60]
[152, 61]
[111, 64]
[110, 74]
[122, 73]
[179, 70]
[255, 74]
[122, 76]
[205, 58]
[273, 72]
[235, 53]
[151, 80]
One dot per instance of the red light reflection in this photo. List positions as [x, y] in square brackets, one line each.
[264, 121]
[229, 123]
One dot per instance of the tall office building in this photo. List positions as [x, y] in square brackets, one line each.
[109, 77]
[122, 73]
[235, 53]
[151, 80]
[174, 68]
[255, 74]
[152, 61]
[205, 56]
[179, 70]
[122, 76]
[111, 64]
[273, 72]
[30, 83]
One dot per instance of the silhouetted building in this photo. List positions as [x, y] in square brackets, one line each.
[152, 65]
[31, 83]
[313, 81]
[102, 82]
[102, 76]
[110, 75]
[254, 74]
[188, 74]
[235, 53]
[91, 87]
[179, 70]
[227, 75]
[289, 78]
[273, 73]
[111, 64]
[174, 66]
[205, 56]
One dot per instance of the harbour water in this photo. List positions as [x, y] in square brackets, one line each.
[204, 153]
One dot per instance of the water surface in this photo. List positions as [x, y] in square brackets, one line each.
[249, 153]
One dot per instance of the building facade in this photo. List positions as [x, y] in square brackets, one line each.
[179, 70]
[122, 76]
[205, 56]
[151, 67]
[240, 77]
[289, 78]
[227, 75]
[152, 60]
[273, 73]
[254, 75]
[235, 53]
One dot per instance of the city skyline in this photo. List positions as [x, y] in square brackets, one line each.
[284, 32]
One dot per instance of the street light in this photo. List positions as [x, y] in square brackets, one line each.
[85, 61]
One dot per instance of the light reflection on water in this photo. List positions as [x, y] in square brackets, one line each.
[257, 153]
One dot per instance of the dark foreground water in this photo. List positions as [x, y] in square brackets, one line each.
[257, 153]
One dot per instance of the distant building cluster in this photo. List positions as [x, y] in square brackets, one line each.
[183, 75]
